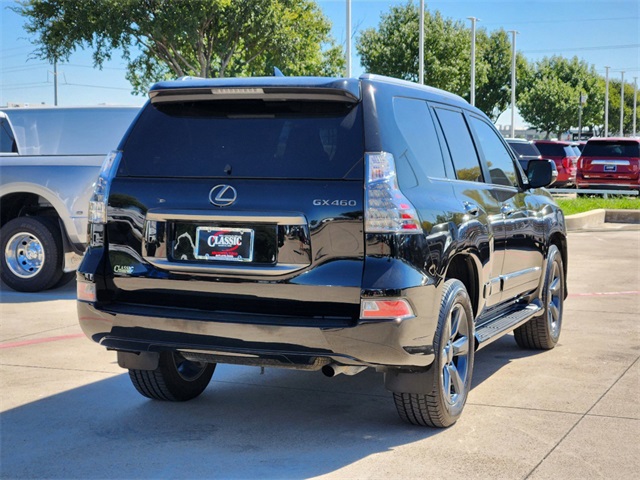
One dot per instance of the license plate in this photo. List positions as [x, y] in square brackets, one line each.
[610, 168]
[224, 244]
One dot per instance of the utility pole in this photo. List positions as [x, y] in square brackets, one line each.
[421, 46]
[348, 38]
[55, 82]
[582, 99]
[606, 101]
[472, 96]
[622, 104]
[513, 82]
[635, 103]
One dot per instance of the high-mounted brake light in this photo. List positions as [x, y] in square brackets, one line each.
[98, 201]
[387, 209]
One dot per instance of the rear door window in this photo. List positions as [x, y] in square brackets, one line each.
[524, 149]
[246, 139]
[460, 145]
[551, 149]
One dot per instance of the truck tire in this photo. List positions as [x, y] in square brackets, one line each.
[32, 255]
[175, 380]
[543, 332]
[453, 345]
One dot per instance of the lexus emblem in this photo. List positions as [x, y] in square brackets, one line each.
[223, 195]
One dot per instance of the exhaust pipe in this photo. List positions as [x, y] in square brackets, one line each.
[334, 369]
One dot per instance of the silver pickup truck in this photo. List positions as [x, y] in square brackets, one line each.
[49, 160]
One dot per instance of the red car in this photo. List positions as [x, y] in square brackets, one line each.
[610, 163]
[565, 155]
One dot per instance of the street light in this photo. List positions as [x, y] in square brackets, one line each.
[606, 101]
[348, 38]
[421, 46]
[635, 103]
[581, 101]
[622, 104]
[472, 96]
[513, 82]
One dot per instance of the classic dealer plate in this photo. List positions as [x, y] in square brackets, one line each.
[224, 244]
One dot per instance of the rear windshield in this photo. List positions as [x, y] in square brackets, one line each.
[527, 149]
[613, 149]
[555, 150]
[246, 139]
[70, 131]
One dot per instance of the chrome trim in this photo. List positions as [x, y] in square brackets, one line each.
[229, 216]
[526, 271]
[610, 162]
[271, 270]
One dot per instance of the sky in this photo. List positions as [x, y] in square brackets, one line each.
[602, 32]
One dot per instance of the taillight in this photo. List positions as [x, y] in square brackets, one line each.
[398, 309]
[387, 209]
[566, 162]
[98, 201]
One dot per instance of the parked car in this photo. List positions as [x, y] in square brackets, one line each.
[49, 160]
[610, 163]
[525, 150]
[319, 224]
[565, 156]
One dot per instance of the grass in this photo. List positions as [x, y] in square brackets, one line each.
[571, 206]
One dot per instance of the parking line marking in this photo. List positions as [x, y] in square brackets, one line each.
[596, 294]
[35, 341]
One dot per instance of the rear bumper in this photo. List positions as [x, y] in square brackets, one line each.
[243, 339]
[608, 184]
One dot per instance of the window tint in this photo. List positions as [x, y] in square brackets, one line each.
[460, 144]
[551, 149]
[501, 167]
[246, 138]
[7, 142]
[416, 125]
[522, 148]
[613, 149]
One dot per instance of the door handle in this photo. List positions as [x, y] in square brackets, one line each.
[471, 208]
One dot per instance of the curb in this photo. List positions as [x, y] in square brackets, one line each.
[595, 218]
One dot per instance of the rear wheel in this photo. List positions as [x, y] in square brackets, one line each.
[543, 332]
[31, 249]
[176, 379]
[454, 351]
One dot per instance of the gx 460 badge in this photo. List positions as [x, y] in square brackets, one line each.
[321, 202]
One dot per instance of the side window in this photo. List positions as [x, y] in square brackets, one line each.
[500, 164]
[463, 153]
[416, 125]
[7, 142]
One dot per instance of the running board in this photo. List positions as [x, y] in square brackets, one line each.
[493, 329]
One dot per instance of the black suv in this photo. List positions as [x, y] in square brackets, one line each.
[319, 224]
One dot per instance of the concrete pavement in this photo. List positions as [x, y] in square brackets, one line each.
[68, 410]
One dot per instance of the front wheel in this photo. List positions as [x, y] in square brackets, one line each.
[454, 350]
[543, 332]
[175, 380]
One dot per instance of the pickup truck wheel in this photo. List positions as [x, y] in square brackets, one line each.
[454, 350]
[175, 380]
[543, 332]
[31, 249]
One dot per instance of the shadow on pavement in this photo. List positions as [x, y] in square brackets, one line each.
[66, 292]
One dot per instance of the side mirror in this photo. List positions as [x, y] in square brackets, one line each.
[541, 173]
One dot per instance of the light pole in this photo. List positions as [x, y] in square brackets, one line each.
[606, 101]
[421, 46]
[635, 103]
[622, 104]
[348, 38]
[472, 96]
[581, 101]
[55, 82]
[513, 82]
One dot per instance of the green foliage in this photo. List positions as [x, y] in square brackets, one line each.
[163, 39]
[549, 95]
[393, 47]
[614, 108]
[572, 206]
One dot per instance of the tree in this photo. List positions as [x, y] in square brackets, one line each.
[558, 76]
[392, 49]
[614, 108]
[163, 39]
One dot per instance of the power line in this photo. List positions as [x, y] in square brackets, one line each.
[96, 86]
[608, 47]
[19, 69]
[92, 67]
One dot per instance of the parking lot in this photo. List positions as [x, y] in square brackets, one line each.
[69, 411]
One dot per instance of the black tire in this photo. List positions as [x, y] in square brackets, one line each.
[32, 255]
[175, 380]
[452, 376]
[64, 279]
[543, 332]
